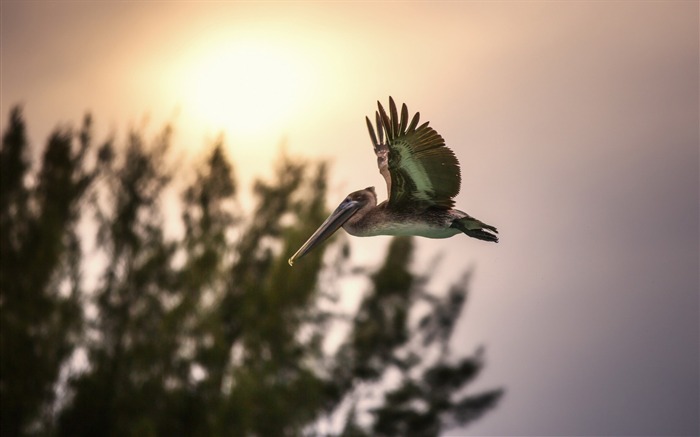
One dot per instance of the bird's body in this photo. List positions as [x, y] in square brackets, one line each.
[422, 177]
[382, 220]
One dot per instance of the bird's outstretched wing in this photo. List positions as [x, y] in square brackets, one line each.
[416, 164]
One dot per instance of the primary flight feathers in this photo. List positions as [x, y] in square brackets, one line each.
[414, 161]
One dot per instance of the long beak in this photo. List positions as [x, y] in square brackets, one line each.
[341, 214]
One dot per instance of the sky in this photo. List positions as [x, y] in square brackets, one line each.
[575, 123]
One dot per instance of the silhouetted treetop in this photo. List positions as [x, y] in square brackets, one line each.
[112, 326]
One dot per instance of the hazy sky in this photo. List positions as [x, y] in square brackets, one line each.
[576, 124]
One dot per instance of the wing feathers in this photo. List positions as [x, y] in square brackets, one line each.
[404, 118]
[370, 128]
[380, 131]
[394, 118]
[415, 162]
[414, 122]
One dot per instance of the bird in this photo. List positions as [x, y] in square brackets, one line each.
[422, 179]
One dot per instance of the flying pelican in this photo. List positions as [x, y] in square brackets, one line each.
[422, 178]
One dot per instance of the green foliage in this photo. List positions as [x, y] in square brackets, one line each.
[40, 314]
[207, 331]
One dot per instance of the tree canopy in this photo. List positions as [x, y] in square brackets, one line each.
[206, 331]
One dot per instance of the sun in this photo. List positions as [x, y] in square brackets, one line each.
[247, 88]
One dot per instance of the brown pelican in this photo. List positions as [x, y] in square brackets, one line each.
[422, 178]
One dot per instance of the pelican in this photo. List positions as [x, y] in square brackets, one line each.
[422, 178]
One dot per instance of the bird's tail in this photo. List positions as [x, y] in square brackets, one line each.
[476, 228]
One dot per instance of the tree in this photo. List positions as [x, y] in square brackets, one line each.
[39, 271]
[133, 350]
[209, 331]
[427, 397]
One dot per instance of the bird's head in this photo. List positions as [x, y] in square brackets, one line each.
[355, 202]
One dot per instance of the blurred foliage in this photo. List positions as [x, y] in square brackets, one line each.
[208, 331]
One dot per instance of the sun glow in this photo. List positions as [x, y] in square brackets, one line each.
[248, 88]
